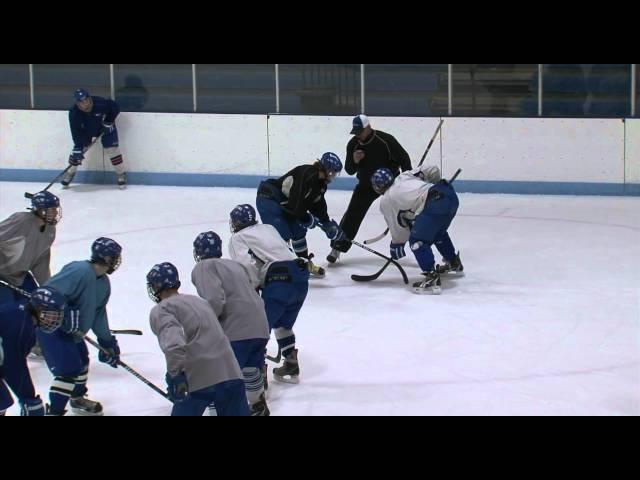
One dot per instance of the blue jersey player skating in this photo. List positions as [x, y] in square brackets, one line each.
[42, 310]
[86, 287]
[92, 117]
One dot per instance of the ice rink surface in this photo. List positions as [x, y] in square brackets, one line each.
[546, 320]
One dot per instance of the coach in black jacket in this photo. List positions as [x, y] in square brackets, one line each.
[367, 151]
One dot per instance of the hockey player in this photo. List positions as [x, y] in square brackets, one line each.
[226, 286]
[279, 273]
[201, 367]
[367, 151]
[18, 322]
[86, 287]
[295, 203]
[419, 206]
[89, 118]
[25, 242]
[25, 245]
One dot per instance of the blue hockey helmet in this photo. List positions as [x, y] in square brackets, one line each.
[47, 305]
[47, 206]
[242, 216]
[207, 245]
[81, 94]
[381, 180]
[163, 276]
[331, 164]
[108, 252]
[44, 199]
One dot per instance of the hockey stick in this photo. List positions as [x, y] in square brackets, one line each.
[22, 292]
[126, 332]
[275, 359]
[97, 345]
[424, 155]
[128, 369]
[26, 294]
[388, 259]
[369, 278]
[61, 174]
[378, 238]
[375, 276]
[455, 175]
[57, 177]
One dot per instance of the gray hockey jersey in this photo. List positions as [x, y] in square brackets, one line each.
[193, 341]
[24, 247]
[225, 284]
[256, 248]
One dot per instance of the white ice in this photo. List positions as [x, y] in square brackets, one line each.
[545, 322]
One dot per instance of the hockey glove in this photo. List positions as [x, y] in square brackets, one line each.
[76, 157]
[71, 322]
[108, 128]
[333, 231]
[310, 222]
[178, 387]
[32, 408]
[397, 251]
[112, 357]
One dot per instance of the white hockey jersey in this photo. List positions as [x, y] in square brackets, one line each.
[402, 203]
[257, 247]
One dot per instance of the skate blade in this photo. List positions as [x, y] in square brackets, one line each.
[260, 414]
[83, 413]
[294, 380]
[453, 274]
[427, 291]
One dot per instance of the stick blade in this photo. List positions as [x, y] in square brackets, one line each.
[364, 278]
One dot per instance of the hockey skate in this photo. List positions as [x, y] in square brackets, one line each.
[430, 285]
[334, 256]
[260, 409]
[84, 407]
[289, 372]
[68, 177]
[265, 380]
[51, 413]
[314, 270]
[452, 268]
[122, 181]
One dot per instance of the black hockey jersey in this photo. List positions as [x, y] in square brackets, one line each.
[381, 150]
[303, 192]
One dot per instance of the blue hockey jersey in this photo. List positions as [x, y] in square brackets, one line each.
[85, 126]
[86, 292]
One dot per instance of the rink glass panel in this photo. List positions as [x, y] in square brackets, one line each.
[14, 85]
[406, 89]
[154, 87]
